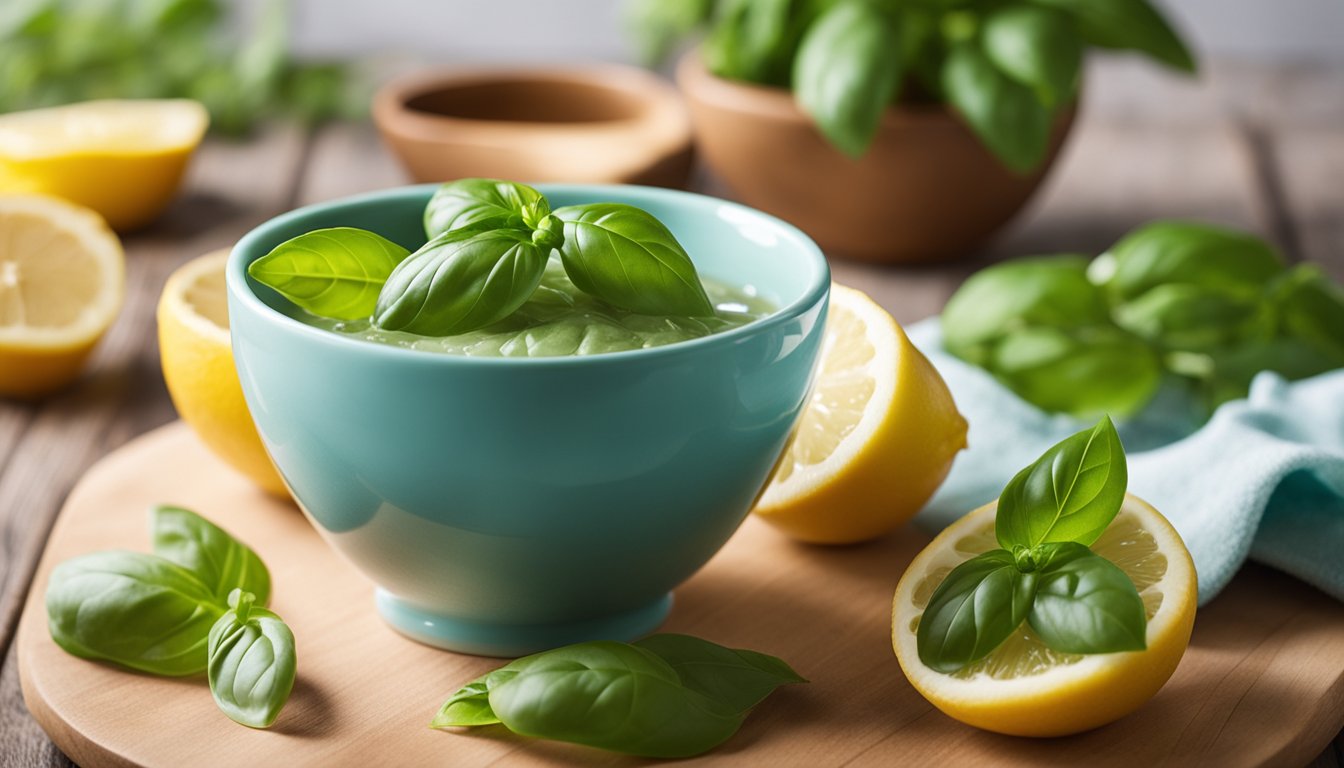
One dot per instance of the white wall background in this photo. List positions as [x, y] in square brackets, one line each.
[538, 30]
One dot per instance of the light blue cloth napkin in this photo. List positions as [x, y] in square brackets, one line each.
[1264, 478]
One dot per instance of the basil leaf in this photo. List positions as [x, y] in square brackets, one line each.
[1050, 291]
[1311, 309]
[1193, 317]
[1071, 493]
[846, 72]
[657, 25]
[480, 204]
[1085, 371]
[252, 662]
[612, 696]
[1038, 47]
[334, 273]
[975, 609]
[1167, 252]
[470, 706]
[1005, 114]
[1086, 604]
[627, 258]
[740, 679]
[750, 41]
[221, 562]
[1128, 24]
[133, 609]
[460, 281]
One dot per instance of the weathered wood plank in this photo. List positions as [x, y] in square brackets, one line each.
[346, 159]
[231, 188]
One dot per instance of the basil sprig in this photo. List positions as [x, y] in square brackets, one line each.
[1044, 574]
[1209, 306]
[663, 696]
[1006, 67]
[489, 242]
[191, 607]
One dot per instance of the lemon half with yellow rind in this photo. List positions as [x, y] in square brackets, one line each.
[124, 159]
[875, 439]
[198, 367]
[62, 282]
[1025, 688]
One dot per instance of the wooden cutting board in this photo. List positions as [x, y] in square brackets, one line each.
[1262, 683]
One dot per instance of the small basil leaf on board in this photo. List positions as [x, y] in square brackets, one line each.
[469, 706]
[1005, 114]
[1128, 24]
[252, 662]
[334, 273]
[629, 259]
[1086, 604]
[1071, 493]
[741, 679]
[479, 204]
[461, 281]
[1084, 371]
[1051, 291]
[220, 561]
[133, 609]
[846, 72]
[973, 611]
[612, 696]
[1038, 47]
[1166, 252]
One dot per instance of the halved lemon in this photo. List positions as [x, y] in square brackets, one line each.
[198, 367]
[1023, 687]
[62, 280]
[123, 159]
[876, 438]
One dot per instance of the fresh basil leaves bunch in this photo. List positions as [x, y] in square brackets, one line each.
[1005, 67]
[663, 696]
[58, 51]
[1044, 573]
[191, 607]
[1208, 305]
[489, 242]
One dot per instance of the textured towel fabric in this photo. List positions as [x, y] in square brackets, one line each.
[1264, 478]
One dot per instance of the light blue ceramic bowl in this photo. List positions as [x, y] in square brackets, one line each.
[503, 506]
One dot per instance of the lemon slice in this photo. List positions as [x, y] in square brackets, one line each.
[1023, 687]
[62, 280]
[876, 438]
[198, 368]
[124, 159]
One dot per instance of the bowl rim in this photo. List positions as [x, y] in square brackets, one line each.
[817, 290]
[655, 101]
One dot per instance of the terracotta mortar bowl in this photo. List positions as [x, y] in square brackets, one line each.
[927, 189]
[601, 123]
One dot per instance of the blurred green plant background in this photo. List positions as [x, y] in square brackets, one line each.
[60, 51]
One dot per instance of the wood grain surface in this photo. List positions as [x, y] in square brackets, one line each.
[1262, 682]
[1254, 145]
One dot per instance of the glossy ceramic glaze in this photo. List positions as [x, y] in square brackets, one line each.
[600, 123]
[926, 190]
[506, 505]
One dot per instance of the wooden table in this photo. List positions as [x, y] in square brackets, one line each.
[1250, 145]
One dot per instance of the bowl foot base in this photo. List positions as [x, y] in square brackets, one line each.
[488, 639]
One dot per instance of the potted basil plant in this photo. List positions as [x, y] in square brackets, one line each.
[891, 130]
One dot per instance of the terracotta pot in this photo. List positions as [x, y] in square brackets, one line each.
[927, 189]
[600, 123]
